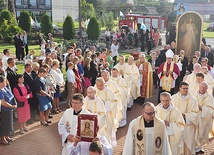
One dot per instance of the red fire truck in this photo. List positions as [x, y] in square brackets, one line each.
[132, 20]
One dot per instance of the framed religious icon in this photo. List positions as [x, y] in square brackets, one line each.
[87, 127]
[189, 33]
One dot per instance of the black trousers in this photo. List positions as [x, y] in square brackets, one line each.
[172, 91]
[93, 80]
[115, 60]
[33, 106]
[17, 51]
[26, 49]
[21, 54]
[156, 80]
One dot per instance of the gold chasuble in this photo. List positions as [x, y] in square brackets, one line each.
[188, 106]
[141, 140]
[147, 79]
[175, 128]
[167, 80]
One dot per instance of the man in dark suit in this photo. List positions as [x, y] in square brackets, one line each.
[208, 54]
[11, 73]
[184, 61]
[93, 69]
[16, 41]
[28, 78]
[59, 58]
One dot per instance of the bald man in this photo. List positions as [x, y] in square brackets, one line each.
[94, 104]
[107, 96]
[206, 109]
[117, 95]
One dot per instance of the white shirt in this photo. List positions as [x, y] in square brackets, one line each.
[4, 61]
[58, 76]
[107, 33]
[114, 49]
[70, 76]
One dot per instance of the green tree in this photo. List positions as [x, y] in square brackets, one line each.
[5, 15]
[3, 5]
[46, 25]
[109, 20]
[87, 10]
[8, 25]
[68, 28]
[93, 29]
[99, 6]
[24, 21]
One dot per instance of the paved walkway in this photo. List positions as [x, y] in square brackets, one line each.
[46, 141]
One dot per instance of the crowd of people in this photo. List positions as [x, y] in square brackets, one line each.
[103, 83]
[144, 39]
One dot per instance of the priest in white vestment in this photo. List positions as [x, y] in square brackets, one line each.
[117, 95]
[124, 91]
[206, 109]
[107, 96]
[67, 126]
[147, 134]
[174, 122]
[208, 78]
[124, 70]
[191, 78]
[135, 83]
[188, 106]
[94, 104]
[200, 77]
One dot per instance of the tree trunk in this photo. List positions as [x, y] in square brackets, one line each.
[11, 6]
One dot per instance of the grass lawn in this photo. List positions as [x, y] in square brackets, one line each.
[207, 34]
[20, 67]
[12, 48]
[60, 24]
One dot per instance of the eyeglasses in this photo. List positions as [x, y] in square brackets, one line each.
[150, 113]
[165, 100]
[184, 88]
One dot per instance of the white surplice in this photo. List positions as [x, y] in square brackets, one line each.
[68, 126]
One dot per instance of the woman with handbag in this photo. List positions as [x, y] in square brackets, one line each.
[22, 93]
[6, 101]
[43, 96]
[60, 84]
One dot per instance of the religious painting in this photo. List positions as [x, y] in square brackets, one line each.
[189, 33]
[140, 135]
[87, 127]
[158, 142]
